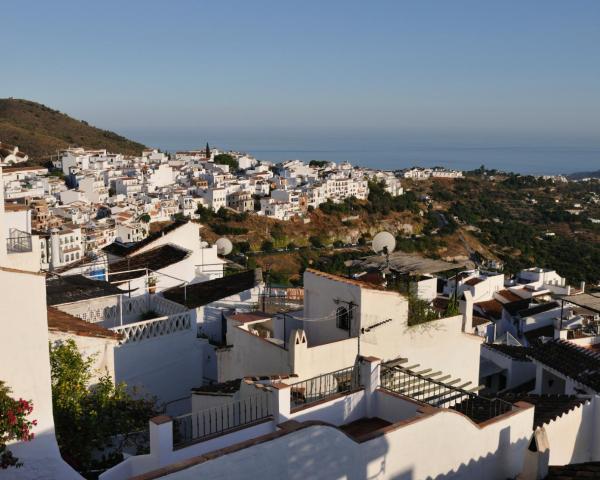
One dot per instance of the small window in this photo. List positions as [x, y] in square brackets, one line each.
[342, 317]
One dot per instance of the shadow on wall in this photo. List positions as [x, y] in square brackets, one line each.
[585, 448]
[492, 465]
[323, 455]
[41, 459]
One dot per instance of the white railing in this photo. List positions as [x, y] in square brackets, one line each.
[166, 307]
[132, 309]
[158, 327]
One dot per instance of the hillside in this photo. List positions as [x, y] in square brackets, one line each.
[581, 175]
[39, 131]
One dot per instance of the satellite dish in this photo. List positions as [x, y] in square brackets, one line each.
[383, 242]
[224, 246]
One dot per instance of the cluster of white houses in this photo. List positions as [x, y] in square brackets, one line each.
[338, 379]
[490, 377]
[92, 198]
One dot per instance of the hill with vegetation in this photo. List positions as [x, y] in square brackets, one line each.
[39, 131]
[485, 218]
[582, 175]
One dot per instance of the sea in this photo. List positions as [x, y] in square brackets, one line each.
[535, 155]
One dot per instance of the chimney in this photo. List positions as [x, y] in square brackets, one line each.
[466, 308]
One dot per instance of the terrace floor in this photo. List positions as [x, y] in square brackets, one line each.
[364, 426]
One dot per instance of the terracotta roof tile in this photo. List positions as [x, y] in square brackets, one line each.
[574, 471]
[509, 296]
[347, 280]
[547, 407]
[491, 308]
[60, 321]
[249, 317]
[580, 364]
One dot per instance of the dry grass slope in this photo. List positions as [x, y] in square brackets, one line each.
[39, 131]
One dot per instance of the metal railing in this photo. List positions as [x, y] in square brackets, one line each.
[196, 427]
[18, 242]
[324, 386]
[442, 395]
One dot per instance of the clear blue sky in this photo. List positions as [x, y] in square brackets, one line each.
[472, 66]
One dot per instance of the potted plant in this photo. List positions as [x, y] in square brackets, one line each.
[151, 284]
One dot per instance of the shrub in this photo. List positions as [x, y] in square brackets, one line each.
[267, 246]
[90, 419]
[14, 425]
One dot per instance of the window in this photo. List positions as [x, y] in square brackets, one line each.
[342, 318]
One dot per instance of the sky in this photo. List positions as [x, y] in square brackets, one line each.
[520, 68]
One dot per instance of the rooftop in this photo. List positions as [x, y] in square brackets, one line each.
[491, 308]
[547, 407]
[512, 351]
[75, 288]
[60, 321]
[123, 250]
[224, 388]
[589, 301]
[541, 308]
[342, 279]
[410, 263]
[249, 317]
[155, 259]
[574, 471]
[509, 296]
[578, 363]
[199, 294]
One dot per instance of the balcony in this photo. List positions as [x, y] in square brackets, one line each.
[18, 242]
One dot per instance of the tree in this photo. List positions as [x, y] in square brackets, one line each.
[94, 418]
[267, 246]
[318, 163]
[227, 159]
[316, 241]
[145, 218]
[14, 425]
[207, 151]
[243, 247]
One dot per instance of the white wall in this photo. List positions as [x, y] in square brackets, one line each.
[100, 348]
[427, 289]
[573, 437]
[20, 219]
[442, 444]
[441, 345]
[25, 367]
[393, 408]
[166, 367]
[517, 372]
[340, 411]
[250, 355]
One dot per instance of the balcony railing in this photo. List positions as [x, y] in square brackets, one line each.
[440, 394]
[18, 242]
[324, 386]
[199, 426]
